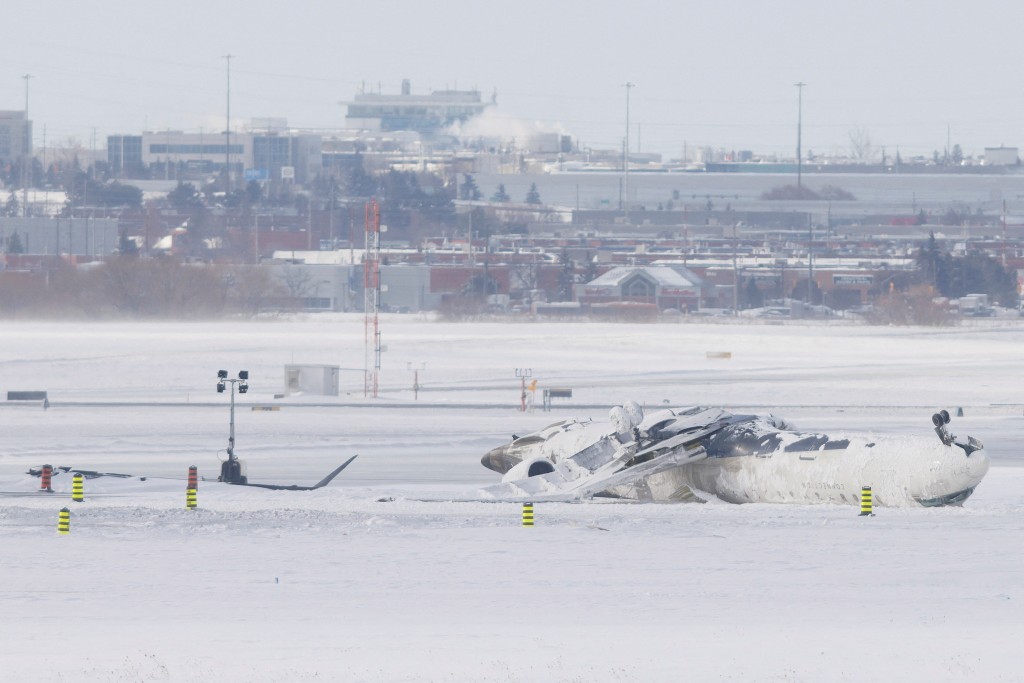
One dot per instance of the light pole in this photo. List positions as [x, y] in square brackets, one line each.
[799, 129]
[416, 377]
[735, 270]
[810, 261]
[231, 470]
[316, 295]
[227, 132]
[26, 157]
[625, 161]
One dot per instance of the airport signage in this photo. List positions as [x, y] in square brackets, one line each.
[852, 279]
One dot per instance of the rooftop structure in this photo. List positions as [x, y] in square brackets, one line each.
[428, 114]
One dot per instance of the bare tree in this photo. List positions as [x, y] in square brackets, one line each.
[861, 148]
[298, 283]
[250, 288]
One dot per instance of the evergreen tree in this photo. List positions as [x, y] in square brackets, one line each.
[14, 245]
[254, 192]
[361, 183]
[500, 195]
[567, 278]
[469, 190]
[184, 197]
[533, 196]
[13, 207]
[929, 258]
[973, 273]
[752, 296]
[957, 155]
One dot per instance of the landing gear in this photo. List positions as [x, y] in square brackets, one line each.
[940, 420]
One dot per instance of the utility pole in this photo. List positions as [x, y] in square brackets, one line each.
[799, 131]
[810, 263]
[625, 160]
[227, 132]
[25, 159]
[735, 269]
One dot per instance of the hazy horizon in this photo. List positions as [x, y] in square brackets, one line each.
[904, 76]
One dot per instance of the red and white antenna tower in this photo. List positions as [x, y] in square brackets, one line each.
[371, 303]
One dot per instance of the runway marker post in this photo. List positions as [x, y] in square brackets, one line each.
[866, 502]
[527, 514]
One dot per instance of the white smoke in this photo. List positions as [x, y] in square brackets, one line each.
[495, 128]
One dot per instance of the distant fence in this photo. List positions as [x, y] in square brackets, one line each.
[555, 392]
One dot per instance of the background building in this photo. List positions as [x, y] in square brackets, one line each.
[425, 114]
[269, 152]
[15, 135]
[124, 155]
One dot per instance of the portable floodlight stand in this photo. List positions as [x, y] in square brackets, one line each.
[232, 470]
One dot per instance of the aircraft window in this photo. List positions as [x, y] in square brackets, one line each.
[658, 426]
[808, 443]
[734, 440]
[837, 445]
[594, 455]
[526, 440]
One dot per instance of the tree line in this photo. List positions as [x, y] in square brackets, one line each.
[126, 286]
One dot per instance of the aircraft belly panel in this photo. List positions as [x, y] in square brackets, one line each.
[901, 472]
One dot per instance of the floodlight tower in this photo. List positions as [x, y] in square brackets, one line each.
[371, 301]
[227, 131]
[232, 470]
[625, 160]
[799, 130]
[27, 156]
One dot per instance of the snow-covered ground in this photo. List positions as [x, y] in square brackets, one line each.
[380, 577]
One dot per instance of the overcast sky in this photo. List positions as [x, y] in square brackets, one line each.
[719, 73]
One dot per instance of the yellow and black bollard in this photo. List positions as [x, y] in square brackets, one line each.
[64, 521]
[527, 514]
[866, 502]
[190, 499]
[78, 488]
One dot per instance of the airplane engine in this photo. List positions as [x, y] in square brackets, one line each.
[625, 417]
[634, 411]
[620, 420]
[529, 468]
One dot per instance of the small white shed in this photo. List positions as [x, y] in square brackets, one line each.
[320, 380]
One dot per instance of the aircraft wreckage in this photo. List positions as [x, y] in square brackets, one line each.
[696, 453]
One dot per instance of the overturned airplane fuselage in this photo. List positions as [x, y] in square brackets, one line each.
[690, 454]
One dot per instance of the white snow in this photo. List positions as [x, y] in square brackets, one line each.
[367, 580]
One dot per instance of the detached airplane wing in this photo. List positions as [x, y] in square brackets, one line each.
[296, 487]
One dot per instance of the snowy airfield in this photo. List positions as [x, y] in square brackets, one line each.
[381, 577]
